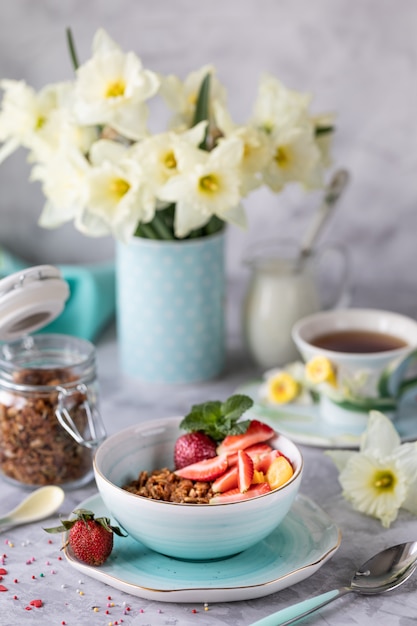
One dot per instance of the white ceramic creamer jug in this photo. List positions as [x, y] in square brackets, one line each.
[284, 287]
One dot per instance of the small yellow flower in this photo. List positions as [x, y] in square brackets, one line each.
[282, 388]
[320, 370]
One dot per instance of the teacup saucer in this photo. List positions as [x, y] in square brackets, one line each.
[304, 541]
[303, 423]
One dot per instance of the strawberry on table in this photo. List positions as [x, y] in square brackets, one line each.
[90, 538]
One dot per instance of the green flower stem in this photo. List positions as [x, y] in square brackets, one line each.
[214, 226]
[161, 228]
[146, 231]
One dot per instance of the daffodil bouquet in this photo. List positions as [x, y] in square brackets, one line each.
[100, 166]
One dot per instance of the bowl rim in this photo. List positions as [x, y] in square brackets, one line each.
[154, 425]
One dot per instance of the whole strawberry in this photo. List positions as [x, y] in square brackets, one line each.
[192, 448]
[90, 538]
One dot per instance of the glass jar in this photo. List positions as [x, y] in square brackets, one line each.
[49, 418]
[49, 423]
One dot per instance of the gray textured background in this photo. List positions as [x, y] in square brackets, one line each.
[358, 59]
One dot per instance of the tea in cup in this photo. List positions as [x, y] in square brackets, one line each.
[358, 360]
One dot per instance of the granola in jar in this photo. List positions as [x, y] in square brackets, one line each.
[47, 408]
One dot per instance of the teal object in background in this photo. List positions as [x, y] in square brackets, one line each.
[91, 304]
[170, 308]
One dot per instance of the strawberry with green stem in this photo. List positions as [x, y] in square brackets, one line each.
[90, 538]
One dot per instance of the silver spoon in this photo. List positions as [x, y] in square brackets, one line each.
[332, 194]
[384, 571]
[36, 506]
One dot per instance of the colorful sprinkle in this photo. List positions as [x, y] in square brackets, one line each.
[3, 588]
[3, 571]
[36, 603]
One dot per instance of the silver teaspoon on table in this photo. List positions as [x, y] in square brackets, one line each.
[36, 506]
[384, 571]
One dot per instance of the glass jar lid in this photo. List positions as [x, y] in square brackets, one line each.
[30, 299]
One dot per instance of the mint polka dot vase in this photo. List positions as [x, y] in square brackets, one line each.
[170, 308]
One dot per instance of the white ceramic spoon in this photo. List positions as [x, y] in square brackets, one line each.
[36, 506]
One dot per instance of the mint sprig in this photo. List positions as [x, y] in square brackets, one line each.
[218, 419]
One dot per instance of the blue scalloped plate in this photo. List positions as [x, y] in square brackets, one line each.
[302, 543]
[303, 424]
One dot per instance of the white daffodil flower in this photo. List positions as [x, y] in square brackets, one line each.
[181, 96]
[277, 107]
[161, 155]
[64, 184]
[209, 183]
[382, 477]
[25, 116]
[118, 198]
[112, 87]
[257, 149]
[295, 158]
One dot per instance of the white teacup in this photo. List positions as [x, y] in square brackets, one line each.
[360, 359]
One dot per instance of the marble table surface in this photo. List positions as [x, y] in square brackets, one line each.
[37, 569]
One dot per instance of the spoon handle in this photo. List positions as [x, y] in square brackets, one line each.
[297, 611]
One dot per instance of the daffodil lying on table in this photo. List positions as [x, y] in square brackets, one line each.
[304, 382]
[381, 478]
[286, 385]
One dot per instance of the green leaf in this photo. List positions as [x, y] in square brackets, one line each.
[235, 406]
[218, 419]
[202, 109]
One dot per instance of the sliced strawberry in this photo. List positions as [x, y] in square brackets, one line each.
[244, 471]
[257, 450]
[256, 433]
[206, 470]
[234, 495]
[264, 461]
[226, 481]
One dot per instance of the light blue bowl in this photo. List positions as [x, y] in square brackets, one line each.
[185, 531]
